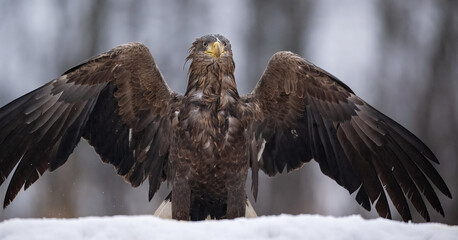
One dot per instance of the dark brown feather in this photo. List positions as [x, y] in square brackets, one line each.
[102, 100]
[308, 113]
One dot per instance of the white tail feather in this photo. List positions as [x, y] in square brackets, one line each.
[249, 211]
[165, 210]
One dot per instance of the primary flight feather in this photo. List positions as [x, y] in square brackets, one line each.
[205, 141]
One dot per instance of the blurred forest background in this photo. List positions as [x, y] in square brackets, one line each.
[400, 56]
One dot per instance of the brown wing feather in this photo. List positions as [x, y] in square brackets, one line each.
[303, 112]
[118, 101]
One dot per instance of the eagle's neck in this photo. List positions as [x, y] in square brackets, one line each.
[213, 85]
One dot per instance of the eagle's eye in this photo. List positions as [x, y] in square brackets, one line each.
[225, 44]
[205, 44]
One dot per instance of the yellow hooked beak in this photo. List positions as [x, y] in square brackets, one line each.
[216, 50]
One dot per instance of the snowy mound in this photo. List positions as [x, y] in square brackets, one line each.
[274, 227]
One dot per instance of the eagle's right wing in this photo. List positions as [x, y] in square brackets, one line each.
[301, 112]
[118, 101]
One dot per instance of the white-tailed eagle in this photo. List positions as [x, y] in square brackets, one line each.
[205, 141]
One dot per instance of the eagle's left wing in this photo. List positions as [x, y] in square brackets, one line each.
[302, 112]
[118, 101]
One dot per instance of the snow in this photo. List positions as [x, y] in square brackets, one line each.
[271, 227]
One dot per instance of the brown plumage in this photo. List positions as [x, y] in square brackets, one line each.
[204, 141]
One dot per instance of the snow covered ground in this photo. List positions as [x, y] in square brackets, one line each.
[273, 227]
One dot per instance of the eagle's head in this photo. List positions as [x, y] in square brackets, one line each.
[211, 73]
[209, 49]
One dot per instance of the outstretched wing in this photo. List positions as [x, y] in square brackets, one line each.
[303, 112]
[118, 101]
